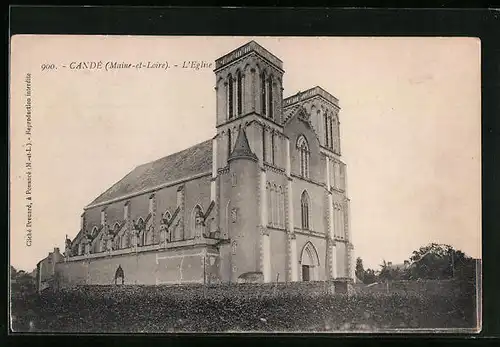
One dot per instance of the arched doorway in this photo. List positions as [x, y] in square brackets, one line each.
[309, 261]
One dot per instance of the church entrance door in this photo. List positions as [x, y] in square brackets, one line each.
[310, 263]
[305, 272]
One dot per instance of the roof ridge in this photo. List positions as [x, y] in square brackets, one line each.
[173, 154]
[191, 160]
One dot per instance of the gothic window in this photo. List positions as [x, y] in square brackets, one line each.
[263, 144]
[239, 86]
[327, 140]
[263, 98]
[230, 91]
[123, 241]
[335, 228]
[331, 135]
[101, 244]
[140, 232]
[116, 228]
[228, 212]
[274, 204]
[336, 136]
[342, 176]
[196, 221]
[336, 172]
[229, 142]
[272, 147]
[281, 208]
[304, 208]
[94, 232]
[269, 192]
[271, 101]
[342, 227]
[303, 148]
[234, 180]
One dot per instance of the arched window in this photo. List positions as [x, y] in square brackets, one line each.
[228, 216]
[196, 220]
[272, 147]
[269, 193]
[264, 144]
[94, 232]
[123, 241]
[230, 91]
[327, 139]
[303, 149]
[281, 207]
[140, 232]
[336, 134]
[229, 142]
[304, 208]
[100, 243]
[336, 173]
[263, 98]
[239, 86]
[333, 134]
[342, 225]
[342, 176]
[271, 101]
[274, 205]
[115, 241]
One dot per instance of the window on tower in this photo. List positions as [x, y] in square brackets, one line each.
[239, 92]
[331, 134]
[263, 98]
[303, 149]
[229, 142]
[327, 140]
[272, 148]
[230, 89]
[270, 87]
[337, 136]
[263, 144]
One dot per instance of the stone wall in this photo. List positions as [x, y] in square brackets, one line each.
[170, 266]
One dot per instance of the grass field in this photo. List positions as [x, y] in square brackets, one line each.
[242, 307]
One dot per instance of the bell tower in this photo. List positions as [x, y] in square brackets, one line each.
[249, 141]
[249, 91]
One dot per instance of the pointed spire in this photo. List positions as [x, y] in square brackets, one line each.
[242, 148]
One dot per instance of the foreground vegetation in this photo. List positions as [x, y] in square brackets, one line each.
[243, 307]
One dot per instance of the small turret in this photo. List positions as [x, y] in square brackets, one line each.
[242, 148]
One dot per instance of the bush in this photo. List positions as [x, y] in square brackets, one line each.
[241, 307]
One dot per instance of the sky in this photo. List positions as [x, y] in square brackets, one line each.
[410, 129]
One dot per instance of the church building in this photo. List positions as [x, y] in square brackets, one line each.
[264, 200]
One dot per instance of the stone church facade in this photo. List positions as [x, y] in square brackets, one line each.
[264, 199]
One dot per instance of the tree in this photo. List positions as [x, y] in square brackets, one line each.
[385, 272]
[437, 261]
[369, 276]
[21, 281]
[390, 273]
[360, 271]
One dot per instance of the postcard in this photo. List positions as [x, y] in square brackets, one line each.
[164, 184]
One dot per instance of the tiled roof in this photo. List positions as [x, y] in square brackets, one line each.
[189, 162]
